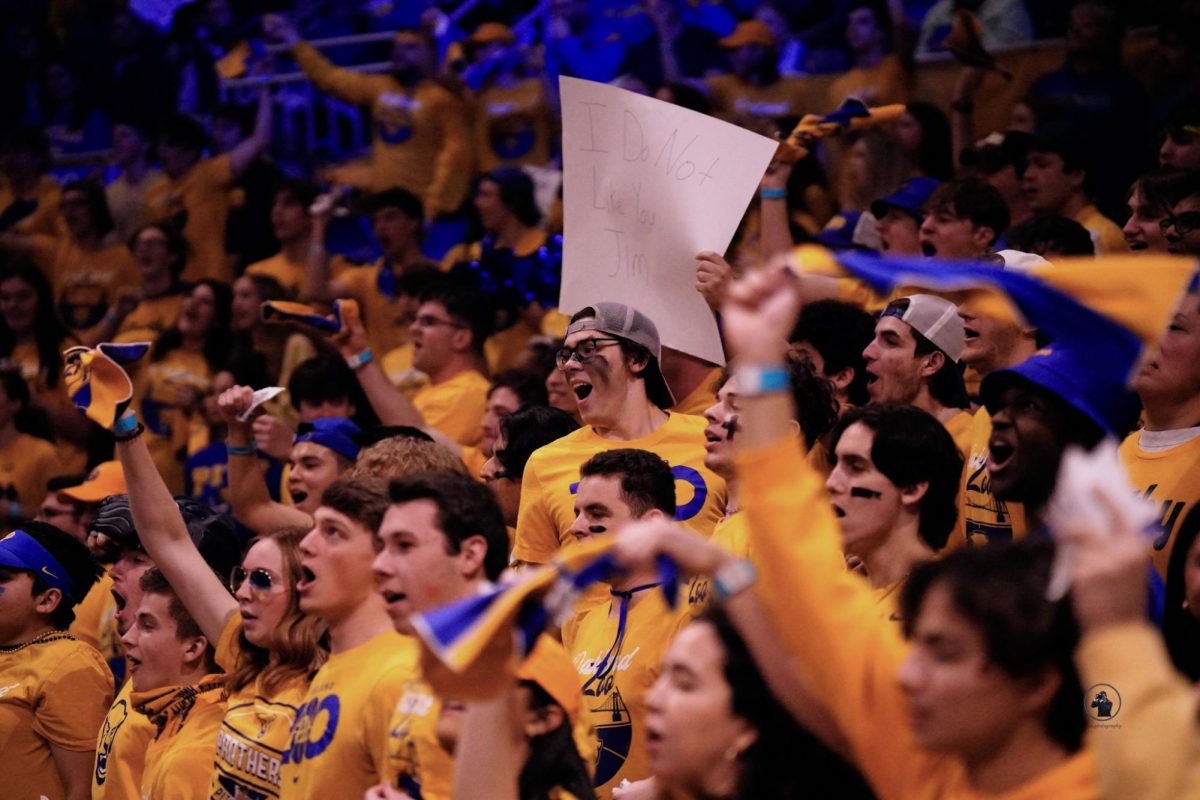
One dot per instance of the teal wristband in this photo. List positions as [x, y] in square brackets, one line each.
[359, 360]
[772, 193]
[733, 579]
[238, 450]
[126, 423]
[754, 380]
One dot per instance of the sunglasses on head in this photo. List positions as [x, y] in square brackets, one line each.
[260, 579]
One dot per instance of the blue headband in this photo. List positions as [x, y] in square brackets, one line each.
[337, 433]
[21, 551]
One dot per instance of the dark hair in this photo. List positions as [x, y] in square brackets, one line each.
[975, 200]
[48, 330]
[1153, 186]
[183, 131]
[934, 154]
[28, 139]
[816, 407]
[1180, 186]
[28, 419]
[1181, 629]
[516, 192]
[468, 306]
[526, 431]
[529, 388]
[646, 479]
[883, 19]
[909, 447]
[1001, 591]
[839, 332]
[946, 386]
[217, 342]
[767, 767]
[408, 203]
[321, 379]
[1050, 233]
[364, 500]
[554, 762]
[82, 569]
[1182, 122]
[97, 204]
[237, 113]
[465, 508]
[154, 582]
[298, 191]
[687, 96]
[177, 246]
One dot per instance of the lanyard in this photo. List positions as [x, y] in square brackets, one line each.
[609, 662]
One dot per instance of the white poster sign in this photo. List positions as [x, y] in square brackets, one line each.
[646, 186]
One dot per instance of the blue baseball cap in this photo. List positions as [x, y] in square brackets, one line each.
[1071, 376]
[838, 234]
[337, 433]
[912, 196]
[21, 551]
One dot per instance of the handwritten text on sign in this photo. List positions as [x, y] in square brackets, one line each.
[647, 185]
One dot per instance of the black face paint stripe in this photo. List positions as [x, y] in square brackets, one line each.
[730, 425]
[597, 529]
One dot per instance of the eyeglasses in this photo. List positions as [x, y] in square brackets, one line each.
[260, 579]
[1183, 223]
[584, 352]
[427, 321]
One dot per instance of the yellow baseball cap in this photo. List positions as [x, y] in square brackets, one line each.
[105, 480]
[490, 32]
[752, 31]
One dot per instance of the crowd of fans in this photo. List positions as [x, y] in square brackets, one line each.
[268, 412]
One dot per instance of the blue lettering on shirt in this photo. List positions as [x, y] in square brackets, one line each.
[302, 746]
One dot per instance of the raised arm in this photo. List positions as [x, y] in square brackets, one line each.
[248, 494]
[391, 405]
[252, 146]
[447, 187]
[318, 287]
[163, 533]
[346, 84]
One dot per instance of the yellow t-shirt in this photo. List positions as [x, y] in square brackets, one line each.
[759, 107]
[731, 534]
[45, 218]
[397, 365]
[339, 741]
[168, 425]
[180, 756]
[421, 134]
[385, 318]
[1170, 478]
[26, 465]
[1107, 235]
[701, 398]
[96, 619]
[256, 729]
[614, 698]
[548, 486]
[51, 693]
[85, 281]
[959, 428]
[513, 125]
[290, 274]
[885, 83]
[982, 517]
[456, 406]
[151, 317]
[121, 750]
[416, 760]
[201, 198]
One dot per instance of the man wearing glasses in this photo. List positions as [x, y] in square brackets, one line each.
[448, 335]
[1181, 227]
[610, 360]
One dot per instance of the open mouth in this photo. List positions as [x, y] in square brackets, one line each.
[119, 599]
[134, 663]
[298, 496]
[581, 390]
[928, 249]
[871, 377]
[1135, 245]
[1000, 453]
[394, 597]
[839, 511]
[970, 333]
[307, 578]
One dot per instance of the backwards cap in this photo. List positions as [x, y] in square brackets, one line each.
[935, 318]
[626, 322]
[337, 433]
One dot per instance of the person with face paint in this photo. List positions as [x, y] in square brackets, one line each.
[443, 540]
[177, 685]
[422, 130]
[56, 688]
[610, 360]
[123, 738]
[323, 451]
[894, 487]
[915, 359]
[617, 646]
[268, 649]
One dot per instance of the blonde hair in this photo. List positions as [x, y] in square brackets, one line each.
[300, 646]
[398, 456]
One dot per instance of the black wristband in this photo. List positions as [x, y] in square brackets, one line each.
[133, 434]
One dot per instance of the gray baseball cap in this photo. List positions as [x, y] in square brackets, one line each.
[626, 322]
[935, 318]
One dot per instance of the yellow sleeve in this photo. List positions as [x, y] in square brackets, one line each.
[346, 84]
[537, 536]
[75, 701]
[826, 618]
[228, 646]
[456, 411]
[1155, 755]
[453, 164]
[216, 171]
[377, 717]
